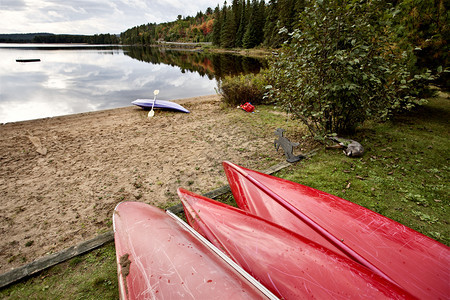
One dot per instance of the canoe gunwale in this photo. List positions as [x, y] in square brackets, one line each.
[223, 256]
[313, 225]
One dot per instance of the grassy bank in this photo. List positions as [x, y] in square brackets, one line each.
[89, 276]
[403, 175]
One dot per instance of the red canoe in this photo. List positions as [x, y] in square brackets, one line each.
[415, 262]
[289, 265]
[159, 258]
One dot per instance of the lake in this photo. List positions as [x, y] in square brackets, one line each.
[72, 79]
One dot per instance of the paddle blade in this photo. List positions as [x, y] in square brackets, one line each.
[151, 113]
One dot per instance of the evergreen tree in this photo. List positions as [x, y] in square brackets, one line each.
[237, 12]
[250, 40]
[245, 14]
[286, 19]
[228, 30]
[254, 34]
[270, 28]
[217, 27]
[261, 21]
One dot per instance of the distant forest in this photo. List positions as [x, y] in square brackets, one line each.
[59, 38]
[243, 24]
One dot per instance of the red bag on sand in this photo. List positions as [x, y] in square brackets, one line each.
[248, 107]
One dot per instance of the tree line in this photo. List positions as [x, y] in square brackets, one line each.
[242, 24]
[188, 29]
[249, 24]
[81, 39]
[59, 38]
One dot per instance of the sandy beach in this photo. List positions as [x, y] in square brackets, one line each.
[61, 177]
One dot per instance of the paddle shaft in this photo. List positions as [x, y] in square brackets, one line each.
[154, 100]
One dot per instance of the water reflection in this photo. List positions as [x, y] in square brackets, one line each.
[213, 65]
[78, 79]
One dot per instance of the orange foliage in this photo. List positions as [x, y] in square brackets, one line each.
[209, 26]
[206, 27]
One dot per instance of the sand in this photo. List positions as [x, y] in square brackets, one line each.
[61, 177]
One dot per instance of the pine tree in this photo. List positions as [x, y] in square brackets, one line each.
[237, 12]
[250, 37]
[270, 28]
[242, 23]
[261, 21]
[228, 32]
[217, 27]
[254, 34]
[286, 18]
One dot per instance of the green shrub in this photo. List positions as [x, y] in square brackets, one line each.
[343, 66]
[236, 90]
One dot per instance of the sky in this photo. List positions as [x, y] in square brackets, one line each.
[92, 16]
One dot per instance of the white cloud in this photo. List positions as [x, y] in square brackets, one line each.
[12, 5]
[92, 16]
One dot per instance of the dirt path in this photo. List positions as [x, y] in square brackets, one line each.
[60, 178]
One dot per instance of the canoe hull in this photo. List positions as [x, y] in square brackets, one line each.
[414, 261]
[147, 104]
[289, 265]
[158, 258]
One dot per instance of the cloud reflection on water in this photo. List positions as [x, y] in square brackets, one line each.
[73, 81]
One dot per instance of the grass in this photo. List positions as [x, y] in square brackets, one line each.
[89, 276]
[403, 175]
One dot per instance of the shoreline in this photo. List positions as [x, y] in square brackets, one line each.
[179, 101]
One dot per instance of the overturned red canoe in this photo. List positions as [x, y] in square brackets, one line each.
[289, 265]
[158, 258]
[415, 262]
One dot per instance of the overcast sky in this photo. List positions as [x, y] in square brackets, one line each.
[92, 16]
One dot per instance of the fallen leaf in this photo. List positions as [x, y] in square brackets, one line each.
[348, 185]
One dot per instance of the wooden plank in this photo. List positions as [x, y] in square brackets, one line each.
[53, 259]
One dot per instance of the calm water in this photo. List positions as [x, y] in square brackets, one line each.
[73, 79]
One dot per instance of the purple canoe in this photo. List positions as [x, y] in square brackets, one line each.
[147, 103]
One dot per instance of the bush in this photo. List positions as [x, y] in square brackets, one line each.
[239, 89]
[343, 66]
